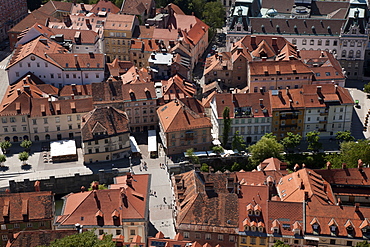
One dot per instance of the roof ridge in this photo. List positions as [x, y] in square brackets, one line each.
[89, 193]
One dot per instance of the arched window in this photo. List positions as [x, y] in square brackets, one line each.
[350, 54]
[358, 54]
[47, 137]
[37, 138]
[344, 53]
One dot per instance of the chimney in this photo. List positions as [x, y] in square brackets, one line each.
[328, 165]
[18, 91]
[37, 186]
[76, 60]
[344, 165]
[274, 41]
[253, 40]
[191, 26]
[360, 165]
[129, 182]
[296, 167]
[88, 23]
[129, 175]
[83, 189]
[318, 88]
[208, 186]
[27, 89]
[264, 58]
[95, 185]
[261, 101]
[239, 50]
[357, 207]
[339, 202]
[146, 25]
[306, 195]
[298, 53]
[152, 56]
[322, 54]
[287, 91]
[83, 6]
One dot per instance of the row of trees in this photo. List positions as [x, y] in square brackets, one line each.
[23, 156]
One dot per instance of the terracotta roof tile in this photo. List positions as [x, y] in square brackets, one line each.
[38, 238]
[183, 114]
[36, 205]
[113, 120]
[120, 22]
[137, 7]
[82, 207]
[105, 6]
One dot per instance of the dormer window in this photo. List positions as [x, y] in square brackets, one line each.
[246, 228]
[333, 228]
[315, 227]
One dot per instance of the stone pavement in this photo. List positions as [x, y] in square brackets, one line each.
[358, 118]
[161, 210]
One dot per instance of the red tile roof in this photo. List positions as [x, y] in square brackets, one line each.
[183, 114]
[259, 68]
[117, 67]
[107, 5]
[36, 206]
[131, 202]
[112, 120]
[38, 238]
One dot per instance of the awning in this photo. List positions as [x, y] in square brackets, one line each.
[134, 147]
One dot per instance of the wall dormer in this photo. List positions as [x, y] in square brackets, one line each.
[315, 226]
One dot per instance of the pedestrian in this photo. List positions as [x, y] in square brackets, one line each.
[160, 165]
[155, 193]
[140, 168]
[164, 200]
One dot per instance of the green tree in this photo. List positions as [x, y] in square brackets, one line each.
[363, 244]
[33, 4]
[367, 88]
[23, 157]
[344, 136]
[269, 135]
[236, 167]
[214, 14]
[291, 141]
[217, 149]
[279, 243]
[204, 168]
[350, 153]
[266, 147]
[313, 138]
[5, 145]
[26, 144]
[190, 153]
[227, 126]
[85, 239]
[238, 142]
[197, 6]
[2, 159]
[100, 186]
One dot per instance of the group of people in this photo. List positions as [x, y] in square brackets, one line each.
[162, 166]
[143, 166]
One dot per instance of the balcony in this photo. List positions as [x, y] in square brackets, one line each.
[324, 113]
[323, 121]
[287, 125]
[290, 116]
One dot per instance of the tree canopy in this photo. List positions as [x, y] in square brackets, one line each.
[291, 141]
[280, 243]
[85, 239]
[363, 244]
[266, 147]
[227, 126]
[26, 144]
[5, 145]
[238, 142]
[217, 149]
[350, 153]
[23, 156]
[313, 139]
[367, 88]
[190, 153]
[344, 136]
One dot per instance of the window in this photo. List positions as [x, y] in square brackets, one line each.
[327, 73]
[3, 227]
[45, 120]
[319, 42]
[70, 126]
[358, 54]
[344, 53]
[35, 130]
[42, 223]
[332, 241]
[253, 240]
[208, 236]
[96, 150]
[327, 42]
[12, 119]
[118, 232]
[231, 238]
[349, 243]
[16, 225]
[69, 118]
[345, 43]
[304, 42]
[197, 235]
[101, 232]
[220, 237]
[350, 54]
[67, 76]
[4, 120]
[132, 232]
[335, 42]
[17, 74]
[97, 75]
[34, 122]
[4, 237]
[29, 224]
[58, 128]
[46, 129]
[186, 234]
[262, 241]
[312, 42]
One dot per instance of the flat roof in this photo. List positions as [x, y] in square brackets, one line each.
[63, 148]
[152, 141]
